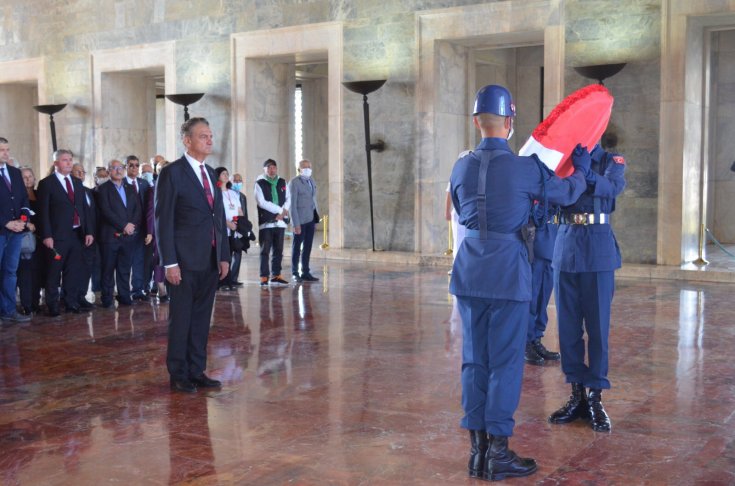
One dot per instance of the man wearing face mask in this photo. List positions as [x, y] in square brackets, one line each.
[101, 176]
[272, 197]
[493, 191]
[304, 216]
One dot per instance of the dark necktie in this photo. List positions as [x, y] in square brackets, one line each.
[6, 180]
[135, 186]
[70, 193]
[207, 188]
[210, 198]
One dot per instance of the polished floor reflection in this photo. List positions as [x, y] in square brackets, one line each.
[355, 380]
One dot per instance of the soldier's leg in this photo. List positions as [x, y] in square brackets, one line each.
[475, 315]
[567, 289]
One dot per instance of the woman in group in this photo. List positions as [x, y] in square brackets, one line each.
[233, 210]
[30, 266]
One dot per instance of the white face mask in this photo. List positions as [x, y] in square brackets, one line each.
[148, 177]
[102, 180]
[512, 129]
[306, 173]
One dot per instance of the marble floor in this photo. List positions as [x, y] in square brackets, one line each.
[355, 381]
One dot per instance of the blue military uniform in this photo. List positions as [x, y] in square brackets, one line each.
[586, 255]
[491, 277]
[542, 276]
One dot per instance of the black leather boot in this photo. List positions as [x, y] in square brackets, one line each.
[532, 357]
[599, 420]
[543, 352]
[501, 462]
[478, 449]
[574, 409]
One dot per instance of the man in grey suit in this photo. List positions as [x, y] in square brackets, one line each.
[304, 216]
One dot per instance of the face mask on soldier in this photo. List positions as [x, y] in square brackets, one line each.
[512, 129]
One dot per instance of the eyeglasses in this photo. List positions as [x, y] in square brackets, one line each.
[133, 165]
[118, 168]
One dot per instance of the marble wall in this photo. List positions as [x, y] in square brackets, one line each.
[721, 210]
[19, 123]
[316, 136]
[628, 33]
[425, 49]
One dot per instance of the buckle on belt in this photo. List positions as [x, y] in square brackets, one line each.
[586, 218]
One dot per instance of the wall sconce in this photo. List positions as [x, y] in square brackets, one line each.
[185, 100]
[364, 88]
[50, 110]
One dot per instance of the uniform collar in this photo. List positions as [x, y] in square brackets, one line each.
[493, 143]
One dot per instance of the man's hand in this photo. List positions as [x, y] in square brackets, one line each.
[173, 275]
[88, 240]
[279, 217]
[224, 268]
[297, 230]
[148, 239]
[31, 227]
[16, 225]
[581, 159]
[231, 225]
[48, 243]
[285, 212]
[129, 229]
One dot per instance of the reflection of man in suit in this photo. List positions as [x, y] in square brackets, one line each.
[13, 202]
[64, 229]
[120, 213]
[140, 239]
[193, 247]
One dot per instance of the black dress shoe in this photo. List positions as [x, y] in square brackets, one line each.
[107, 305]
[184, 386]
[123, 302]
[203, 381]
[307, 277]
[478, 450]
[599, 419]
[532, 357]
[575, 408]
[163, 299]
[84, 304]
[140, 296]
[53, 312]
[238, 284]
[73, 310]
[543, 352]
[296, 277]
[502, 462]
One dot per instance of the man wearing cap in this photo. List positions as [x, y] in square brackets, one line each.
[272, 198]
[493, 190]
[586, 256]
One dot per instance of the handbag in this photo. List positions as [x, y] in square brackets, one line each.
[27, 245]
[237, 244]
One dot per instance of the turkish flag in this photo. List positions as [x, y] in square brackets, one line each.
[582, 117]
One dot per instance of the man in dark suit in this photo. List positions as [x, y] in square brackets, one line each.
[192, 241]
[13, 205]
[64, 229]
[120, 213]
[140, 186]
[88, 252]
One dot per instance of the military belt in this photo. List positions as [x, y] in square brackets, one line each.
[492, 235]
[585, 218]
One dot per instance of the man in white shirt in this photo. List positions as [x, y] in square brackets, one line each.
[272, 197]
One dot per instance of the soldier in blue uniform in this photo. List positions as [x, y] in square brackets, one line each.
[542, 281]
[492, 190]
[586, 255]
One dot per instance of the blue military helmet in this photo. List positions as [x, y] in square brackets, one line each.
[494, 99]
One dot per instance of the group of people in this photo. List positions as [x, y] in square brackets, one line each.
[176, 229]
[526, 231]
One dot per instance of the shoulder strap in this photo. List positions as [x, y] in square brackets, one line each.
[485, 157]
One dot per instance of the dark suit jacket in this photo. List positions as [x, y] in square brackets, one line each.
[114, 215]
[12, 202]
[56, 212]
[143, 187]
[92, 216]
[184, 220]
